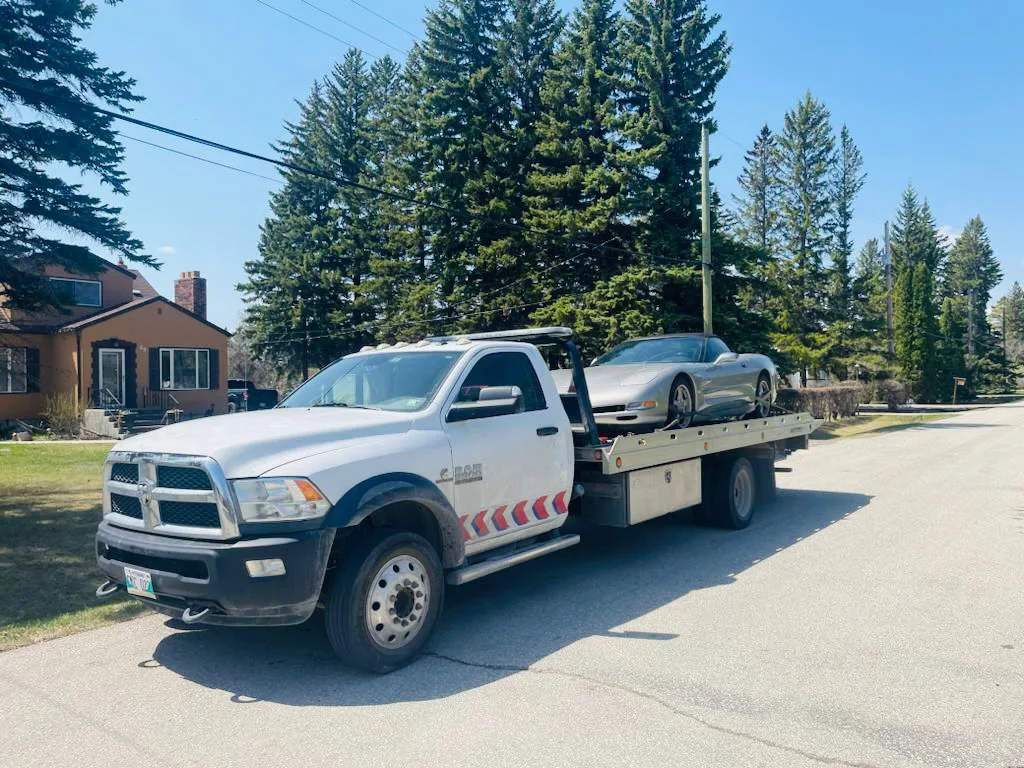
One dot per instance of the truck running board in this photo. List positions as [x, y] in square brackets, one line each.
[485, 568]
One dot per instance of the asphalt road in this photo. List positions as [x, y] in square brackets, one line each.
[873, 616]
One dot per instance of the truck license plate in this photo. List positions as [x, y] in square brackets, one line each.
[138, 583]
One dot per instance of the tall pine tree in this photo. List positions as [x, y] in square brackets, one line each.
[847, 181]
[48, 84]
[916, 255]
[757, 209]
[674, 57]
[806, 160]
[577, 185]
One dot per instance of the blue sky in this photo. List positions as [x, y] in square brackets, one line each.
[931, 91]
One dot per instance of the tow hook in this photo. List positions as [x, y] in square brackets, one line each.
[107, 588]
[191, 616]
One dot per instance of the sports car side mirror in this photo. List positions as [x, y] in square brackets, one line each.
[727, 357]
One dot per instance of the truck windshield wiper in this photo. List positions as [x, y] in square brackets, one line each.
[344, 405]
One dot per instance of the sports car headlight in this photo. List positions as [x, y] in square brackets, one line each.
[641, 405]
[279, 498]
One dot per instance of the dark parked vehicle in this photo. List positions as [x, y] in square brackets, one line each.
[244, 396]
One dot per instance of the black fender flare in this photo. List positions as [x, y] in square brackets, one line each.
[376, 493]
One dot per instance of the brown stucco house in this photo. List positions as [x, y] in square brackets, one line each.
[119, 344]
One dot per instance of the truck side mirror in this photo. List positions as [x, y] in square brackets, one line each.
[484, 402]
[727, 357]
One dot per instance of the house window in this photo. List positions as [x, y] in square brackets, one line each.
[184, 368]
[13, 370]
[80, 293]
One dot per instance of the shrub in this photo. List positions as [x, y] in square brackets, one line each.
[61, 414]
[838, 402]
[892, 393]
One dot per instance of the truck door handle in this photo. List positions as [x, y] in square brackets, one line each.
[545, 431]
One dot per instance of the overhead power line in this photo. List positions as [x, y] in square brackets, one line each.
[200, 159]
[385, 19]
[353, 26]
[314, 27]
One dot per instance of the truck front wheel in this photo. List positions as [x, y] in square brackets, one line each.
[384, 600]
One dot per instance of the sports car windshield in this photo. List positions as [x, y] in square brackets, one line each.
[672, 350]
[402, 381]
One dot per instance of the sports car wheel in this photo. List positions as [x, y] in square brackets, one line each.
[680, 404]
[763, 397]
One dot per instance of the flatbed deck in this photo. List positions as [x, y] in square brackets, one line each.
[632, 452]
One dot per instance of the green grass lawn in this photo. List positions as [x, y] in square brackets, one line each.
[49, 507]
[859, 426]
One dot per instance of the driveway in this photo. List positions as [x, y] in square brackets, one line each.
[872, 616]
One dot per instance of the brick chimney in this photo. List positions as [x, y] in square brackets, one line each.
[190, 293]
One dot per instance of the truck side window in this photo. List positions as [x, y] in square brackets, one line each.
[714, 347]
[505, 369]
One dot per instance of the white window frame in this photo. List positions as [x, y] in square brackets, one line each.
[167, 382]
[7, 382]
[75, 280]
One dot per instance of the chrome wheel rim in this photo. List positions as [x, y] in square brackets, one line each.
[743, 494]
[397, 602]
[763, 397]
[682, 405]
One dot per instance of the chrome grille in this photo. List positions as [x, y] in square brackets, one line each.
[197, 514]
[170, 494]
[129, 506]
[125, 473]
[183, 477]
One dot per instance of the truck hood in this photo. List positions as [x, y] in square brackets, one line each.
[254, 443]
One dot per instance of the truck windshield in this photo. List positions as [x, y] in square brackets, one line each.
[400, 381]
[679, 349]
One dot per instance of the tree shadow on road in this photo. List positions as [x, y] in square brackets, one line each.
[512, 619]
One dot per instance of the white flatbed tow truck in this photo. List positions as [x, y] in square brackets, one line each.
[393, 472]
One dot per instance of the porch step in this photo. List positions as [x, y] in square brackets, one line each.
[139, 428]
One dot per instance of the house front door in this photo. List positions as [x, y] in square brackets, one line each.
[111, 378]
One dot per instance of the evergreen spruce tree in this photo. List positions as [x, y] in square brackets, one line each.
[806, 161]
[916, 253]
[757, 209]
[578, 181]
[847, 181]
[674, 59]
[291, 286]
[48, 83]
[1008, 316]
[869, 306]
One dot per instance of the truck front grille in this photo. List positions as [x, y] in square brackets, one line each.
[183, 477]
[170, 494]
[125, 473]
[196, 514]
[129, 506]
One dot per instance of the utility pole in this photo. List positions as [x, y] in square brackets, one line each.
[888, 296]
[705, 228]
[970, 323]
[1002, 326]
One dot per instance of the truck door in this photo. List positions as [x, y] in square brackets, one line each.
[512, 473]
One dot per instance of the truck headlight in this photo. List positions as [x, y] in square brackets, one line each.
[279, 498]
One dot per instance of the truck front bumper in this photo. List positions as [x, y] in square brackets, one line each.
[206, 574]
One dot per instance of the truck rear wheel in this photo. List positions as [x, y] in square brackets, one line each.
[730, 493]
[384, 600]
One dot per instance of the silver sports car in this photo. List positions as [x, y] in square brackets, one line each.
[674, 381]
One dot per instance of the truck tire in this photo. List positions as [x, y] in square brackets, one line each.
[384, 600]
[730, 493]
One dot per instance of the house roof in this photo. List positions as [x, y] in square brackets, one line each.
[134, 304]
[142, 285]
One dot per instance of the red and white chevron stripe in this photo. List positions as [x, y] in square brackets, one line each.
[498, 520]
